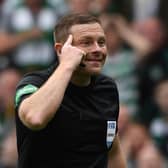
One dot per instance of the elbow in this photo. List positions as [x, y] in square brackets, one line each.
[32, 121]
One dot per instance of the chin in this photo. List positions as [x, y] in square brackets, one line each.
[93, 71]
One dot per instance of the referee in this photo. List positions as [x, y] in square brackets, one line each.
[66, 115]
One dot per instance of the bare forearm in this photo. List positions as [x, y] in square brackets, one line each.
[116, 157]
[117, 161]
[10, 41]
[38, 109]
[139, 43]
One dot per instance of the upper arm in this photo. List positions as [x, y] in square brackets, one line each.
[27, 86]
[23, 91]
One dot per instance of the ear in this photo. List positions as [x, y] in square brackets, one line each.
[58, 47]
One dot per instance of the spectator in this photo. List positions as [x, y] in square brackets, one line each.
[60, 6]
[153, 68]
[76, 6]
[8, 153]
[159, 126]
[118, 34]
[124, 120]
[136, 10]
[8, 81]
[10, 41]
[149, 157]
[99, 7]
[38, 52]
[136, 141]
[8, 156]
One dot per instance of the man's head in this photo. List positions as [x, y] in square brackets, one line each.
[35, 5]
[88, 36]
[63, 28]
[79, 6]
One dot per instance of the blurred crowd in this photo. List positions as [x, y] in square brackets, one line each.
[137, 59]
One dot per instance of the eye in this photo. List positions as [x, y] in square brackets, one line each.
[102, 42]
[86, 43]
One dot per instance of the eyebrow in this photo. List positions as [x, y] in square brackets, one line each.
[90, 38]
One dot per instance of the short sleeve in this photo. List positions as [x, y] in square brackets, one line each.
[25, 90]
[27, 86]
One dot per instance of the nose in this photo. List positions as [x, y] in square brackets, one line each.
[96, 47]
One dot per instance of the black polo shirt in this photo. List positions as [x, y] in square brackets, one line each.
[81, 132]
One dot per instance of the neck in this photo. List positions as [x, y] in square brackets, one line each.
[81, 80]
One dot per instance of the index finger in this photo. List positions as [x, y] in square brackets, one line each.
[69, 40]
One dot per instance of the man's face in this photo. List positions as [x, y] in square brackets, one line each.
[91, 39]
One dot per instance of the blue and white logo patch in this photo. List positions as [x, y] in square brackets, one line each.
[111, 130]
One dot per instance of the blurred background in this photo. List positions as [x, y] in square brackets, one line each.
[137, 59]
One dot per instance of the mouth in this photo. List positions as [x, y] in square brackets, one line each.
[93, 59]
[94, 62]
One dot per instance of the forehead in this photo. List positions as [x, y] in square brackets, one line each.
[82, 30]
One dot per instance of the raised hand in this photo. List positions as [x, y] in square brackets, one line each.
[71, 55]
